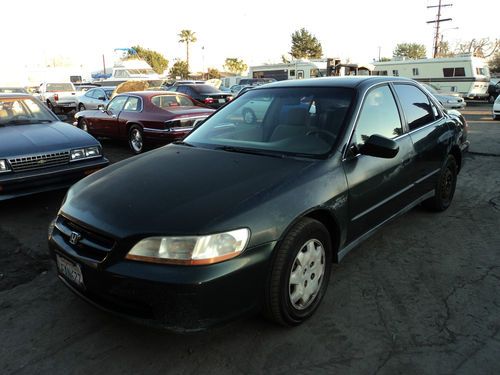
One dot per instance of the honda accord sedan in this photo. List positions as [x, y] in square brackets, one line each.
[38, 152]
[243, 217]
[144, 117]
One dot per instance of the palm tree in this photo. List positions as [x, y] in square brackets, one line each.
[187, 36]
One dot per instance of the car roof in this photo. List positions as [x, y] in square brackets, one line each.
[349, 82]
[150, 94]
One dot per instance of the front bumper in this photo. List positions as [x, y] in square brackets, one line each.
[177, 298]
[17, 184]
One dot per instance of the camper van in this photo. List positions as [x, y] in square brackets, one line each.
[295, 70]
[464, 74]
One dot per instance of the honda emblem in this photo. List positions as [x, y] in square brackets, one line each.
[74, 238]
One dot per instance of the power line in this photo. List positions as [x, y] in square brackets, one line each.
[437, 21]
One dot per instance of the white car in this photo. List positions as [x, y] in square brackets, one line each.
[448, 100]
[496, 109]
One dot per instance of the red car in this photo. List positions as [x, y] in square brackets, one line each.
[144, 117]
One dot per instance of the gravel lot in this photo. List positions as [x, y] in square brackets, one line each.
[419, 297]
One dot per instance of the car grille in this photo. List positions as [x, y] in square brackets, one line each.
[27, 163]
[90, 245]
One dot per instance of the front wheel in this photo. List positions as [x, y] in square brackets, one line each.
[445, 187]
[300, 273]
[81, 107]
[135, 139]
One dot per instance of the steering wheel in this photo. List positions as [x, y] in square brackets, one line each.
[323, 132]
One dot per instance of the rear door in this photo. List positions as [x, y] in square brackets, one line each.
[378, 187]
[430, 133]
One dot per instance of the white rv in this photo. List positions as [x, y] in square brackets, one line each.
[131, 70]
[295, 70]
[465, 74]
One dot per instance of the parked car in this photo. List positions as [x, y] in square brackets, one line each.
[493, 91]
[448, 100]
[95, 97]
[154, 117]
[38, 152]
[58, 96]
[241, 218]
[13, 90]
[205, 94]
[496, 109]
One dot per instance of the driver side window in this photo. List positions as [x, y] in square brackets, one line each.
[379, 115]
[117, 103]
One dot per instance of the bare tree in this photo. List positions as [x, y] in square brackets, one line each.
[483, 47]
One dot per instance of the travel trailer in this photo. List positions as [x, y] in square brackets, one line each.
[130, 70]
[309, 69]
[465, 74]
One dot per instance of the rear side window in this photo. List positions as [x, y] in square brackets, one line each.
[379, 115]
[133, 104]
[416, 106]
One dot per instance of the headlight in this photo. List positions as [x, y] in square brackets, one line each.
[191, 250]
[85, 153]
[4, 167]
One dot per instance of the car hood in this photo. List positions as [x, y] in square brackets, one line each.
[178, 190]
[17, 140]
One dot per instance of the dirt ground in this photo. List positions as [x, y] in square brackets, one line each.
[419, 297]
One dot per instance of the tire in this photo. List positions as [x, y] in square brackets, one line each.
[294, 289]
[135, 139]
[491, 99]
[445, 187]
[82, 124]
[81, 107]
[249, 116]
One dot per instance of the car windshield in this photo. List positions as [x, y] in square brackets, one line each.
[53, 87]
[22, 111]
[168, 101]
[283, 121]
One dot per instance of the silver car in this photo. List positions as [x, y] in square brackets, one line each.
[448, 100]
[95, 97]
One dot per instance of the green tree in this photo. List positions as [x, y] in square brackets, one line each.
[383, 59]
[213, 73]
[187, 36]
[305, 45]
[410, 50]
[494, 63]
[155, 59]
[234, 65]
[444, 49]
[179, 69]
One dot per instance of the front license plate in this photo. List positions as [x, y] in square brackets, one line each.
[70, 271]
[222, 100]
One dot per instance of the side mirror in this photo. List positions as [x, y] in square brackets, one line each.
[380, 147]
[101, 98]
[101, 107]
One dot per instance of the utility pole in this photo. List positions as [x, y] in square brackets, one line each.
[437, 21]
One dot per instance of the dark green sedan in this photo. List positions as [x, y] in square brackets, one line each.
[247, 215]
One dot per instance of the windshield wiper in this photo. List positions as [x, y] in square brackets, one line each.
[251, 151]
[26, 121]
[183, 143]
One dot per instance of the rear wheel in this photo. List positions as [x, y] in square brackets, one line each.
[81, 107]
[135, 139]
[445, 187]
[300, 273]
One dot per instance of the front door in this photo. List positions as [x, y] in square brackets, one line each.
[109, 122]
[378, 187]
